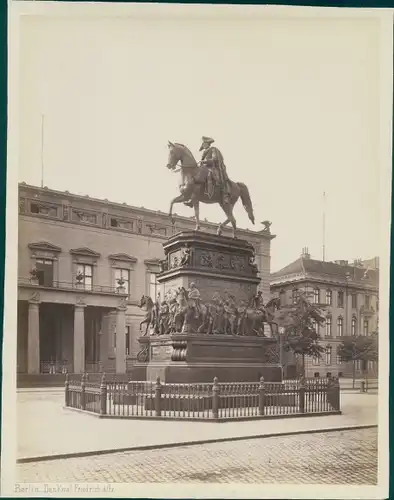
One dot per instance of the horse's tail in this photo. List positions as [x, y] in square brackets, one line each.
[246, 201]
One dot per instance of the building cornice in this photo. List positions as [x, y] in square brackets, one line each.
[136, 211]
[316, 280]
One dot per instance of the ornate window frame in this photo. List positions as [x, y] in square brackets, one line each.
[84, 256]
[339, 292]
[353, 322]
[126, 262]
[340, 317]
[328, 317]
[46, 251]
[152, 266]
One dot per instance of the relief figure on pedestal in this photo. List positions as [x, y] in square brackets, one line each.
[186, 258]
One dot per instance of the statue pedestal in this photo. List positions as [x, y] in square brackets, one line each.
[222, 267]
[215, 264]
[198, 358]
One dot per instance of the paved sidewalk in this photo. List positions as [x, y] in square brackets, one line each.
[349, 457]
[45, 428]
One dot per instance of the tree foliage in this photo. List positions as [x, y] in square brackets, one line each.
[359, 348]
[299, 322]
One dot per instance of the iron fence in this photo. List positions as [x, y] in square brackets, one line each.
[117, 397]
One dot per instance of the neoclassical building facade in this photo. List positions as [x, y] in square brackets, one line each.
[83, 266]
[349, 297]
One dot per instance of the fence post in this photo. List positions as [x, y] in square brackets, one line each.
[337, 394]
[215, 398]
[261, 396]
[302, 394]
[83, 386]
[67, 391]
[158, 398]
[103, 396]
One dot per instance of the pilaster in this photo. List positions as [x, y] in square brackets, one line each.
[33, 335]
[79, 337]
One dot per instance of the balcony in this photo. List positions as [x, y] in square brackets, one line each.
[367, 311]
[73, 287]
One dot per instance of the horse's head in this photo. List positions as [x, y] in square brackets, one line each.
[179, 152]
[174, 155]
[142, 301]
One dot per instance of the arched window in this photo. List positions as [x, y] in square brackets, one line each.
[354, 326]
[340, 326]
[328, 326]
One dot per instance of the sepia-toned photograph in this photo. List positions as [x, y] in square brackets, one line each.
[198, 235]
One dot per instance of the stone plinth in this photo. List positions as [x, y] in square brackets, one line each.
[198, 358]
[226, 342]
[215, 264]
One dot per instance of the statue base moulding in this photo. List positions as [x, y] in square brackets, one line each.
[198, 358]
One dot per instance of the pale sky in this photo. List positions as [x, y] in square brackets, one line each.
[293, 106]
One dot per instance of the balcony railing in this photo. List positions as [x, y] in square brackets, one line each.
[66, 285]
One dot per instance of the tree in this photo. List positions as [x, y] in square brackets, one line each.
[359, 348]
[300, 333]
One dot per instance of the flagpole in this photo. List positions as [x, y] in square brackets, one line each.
[324, 226]
[42, 150]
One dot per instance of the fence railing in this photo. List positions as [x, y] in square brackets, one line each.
[118, 397]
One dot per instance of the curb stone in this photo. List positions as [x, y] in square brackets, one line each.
[189, 443]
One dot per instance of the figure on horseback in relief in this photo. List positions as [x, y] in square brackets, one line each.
[182, 311]
[207, 182]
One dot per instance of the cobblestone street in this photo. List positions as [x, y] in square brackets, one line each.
[340, 457]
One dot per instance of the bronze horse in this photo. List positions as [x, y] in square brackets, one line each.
[146, 303]
[192, 188]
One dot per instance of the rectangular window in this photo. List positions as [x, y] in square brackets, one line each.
[354, 326]
[340, 299]
[328, 327]
[316, 296]
[329, 298]
[153, 286]
[328, 355]
[45, 272]
[367, 302]
[295, 296]
[366, 327]
[339, 360]
[127, 341]
[340, 326]
[354, 301]
[84, 277]
[122, 280]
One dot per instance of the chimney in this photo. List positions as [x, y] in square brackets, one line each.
[305, 253]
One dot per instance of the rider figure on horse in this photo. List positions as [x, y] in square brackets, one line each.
[194, 299]
[212, 158]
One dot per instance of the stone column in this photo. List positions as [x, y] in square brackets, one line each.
[121, 339]
[33, 337]
[79, 338]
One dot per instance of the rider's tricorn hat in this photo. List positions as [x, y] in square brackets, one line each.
[206, 140]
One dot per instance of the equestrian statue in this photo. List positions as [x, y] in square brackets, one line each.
[207, 182]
